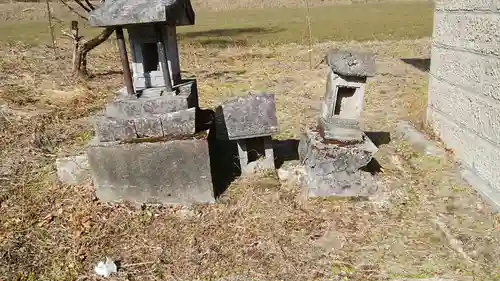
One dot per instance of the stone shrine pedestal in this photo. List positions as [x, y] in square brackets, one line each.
[148, 151]
[334, 168]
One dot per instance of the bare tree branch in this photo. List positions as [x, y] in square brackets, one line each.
[80, 63]
[73, 10]
[83, 6]
[90, 5]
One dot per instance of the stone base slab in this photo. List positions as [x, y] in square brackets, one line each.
[153, 101]
[73, 170]
[173, 171]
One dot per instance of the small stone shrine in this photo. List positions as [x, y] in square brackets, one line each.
[250, 121]
[147, 148]
[334, 152]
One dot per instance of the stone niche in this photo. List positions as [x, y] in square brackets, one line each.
[146, 67]
[344, 97]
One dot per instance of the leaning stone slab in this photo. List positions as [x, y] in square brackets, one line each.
[73, 170]
[157, 125]
[417, 140]
[171, 171]
[247, 117]
[324, 157]
[128, 12]
[349, 63]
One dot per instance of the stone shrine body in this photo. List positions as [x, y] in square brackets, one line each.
[335, 152]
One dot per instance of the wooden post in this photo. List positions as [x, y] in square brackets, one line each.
[51, 28]
[127, 76]
[76, 42]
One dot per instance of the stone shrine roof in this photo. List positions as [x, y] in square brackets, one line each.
[130, 12]
[349, 63]
[244, 117]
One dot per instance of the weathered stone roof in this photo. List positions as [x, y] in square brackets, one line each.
[129, 12]
[246, 117]
[348, 63]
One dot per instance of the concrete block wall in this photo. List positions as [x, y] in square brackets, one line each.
[464, 86]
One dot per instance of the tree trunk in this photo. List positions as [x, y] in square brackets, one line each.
[80, 63]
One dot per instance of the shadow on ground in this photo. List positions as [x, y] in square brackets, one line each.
[106, 73]
[379, 138]
[285, 150]
[421, 64]
[228, 32]
[222, 38]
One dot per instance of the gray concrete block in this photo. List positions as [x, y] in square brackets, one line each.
[488, 193]
[463, 5]
[474, 31]
[126, 106]
[169, 172]
[111, 129]
[348, 63]
[128, 12]
[179, 123]
[469, 109]
[323, 158]
[339, 184]
[491, 78]
[174, 123]
[471, 149]
[150, 126]
[417, 140]
[247, 117]
[458, 67]
[188, 88]
[73, 170]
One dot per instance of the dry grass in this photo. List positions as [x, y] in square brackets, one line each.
[260, 229]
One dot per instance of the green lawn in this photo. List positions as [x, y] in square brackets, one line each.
[359, 22]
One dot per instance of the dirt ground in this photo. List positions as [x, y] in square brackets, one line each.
[260, 229]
